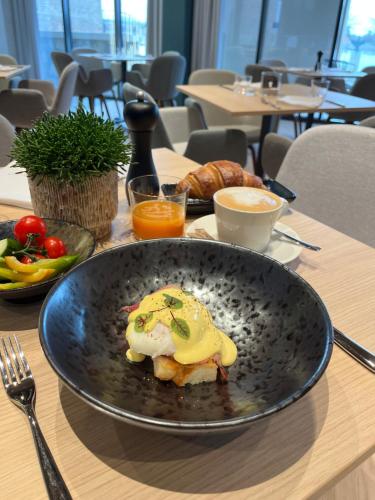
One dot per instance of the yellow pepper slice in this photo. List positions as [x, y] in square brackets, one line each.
[40, 275]
[14, 264]
[13, 286]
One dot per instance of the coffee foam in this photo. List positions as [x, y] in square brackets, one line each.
[248, 200]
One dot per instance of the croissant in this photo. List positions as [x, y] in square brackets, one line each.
[206, 180]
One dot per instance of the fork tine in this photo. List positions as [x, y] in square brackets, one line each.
[11, 371]
[15, 360]
[23, 359]
[3, 371]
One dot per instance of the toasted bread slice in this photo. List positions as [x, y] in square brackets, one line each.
[168, 369]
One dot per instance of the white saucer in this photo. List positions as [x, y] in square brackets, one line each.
[279, 249]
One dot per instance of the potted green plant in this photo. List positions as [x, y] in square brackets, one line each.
[72, 164]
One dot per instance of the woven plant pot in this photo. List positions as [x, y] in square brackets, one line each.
[92, 203]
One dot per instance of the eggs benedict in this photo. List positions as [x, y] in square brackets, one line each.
[177, 332]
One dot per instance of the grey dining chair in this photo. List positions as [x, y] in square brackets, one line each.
[218, 119]
[92, 64]
[275, 148]
[369, 70]
[166, 71]
[7, 136]
[182, 129]
[255, 70]
[92, 85]
[26, 104]
[368, 122]
[329, 168]
[364, 87]
[276, 63]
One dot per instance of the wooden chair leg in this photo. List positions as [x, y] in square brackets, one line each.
[92, 104]
[116, 102]
[102, 98]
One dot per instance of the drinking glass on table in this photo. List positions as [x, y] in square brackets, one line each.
[270, 83]
[242, 85]
[319, 88]
[158, 210]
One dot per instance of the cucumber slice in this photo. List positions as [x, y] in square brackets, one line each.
[8, 245]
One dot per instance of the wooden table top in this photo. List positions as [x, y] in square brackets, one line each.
[116, 56]
[297, 453]
[241, 105]
[8, 71]
[323, 73]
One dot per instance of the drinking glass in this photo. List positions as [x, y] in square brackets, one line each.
[242, 85]
[319, 88]
[270, 82]
[157, 212]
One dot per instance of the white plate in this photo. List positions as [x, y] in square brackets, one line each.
[299, 100]
[279, 249]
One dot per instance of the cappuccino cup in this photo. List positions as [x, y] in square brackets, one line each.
[245, 216]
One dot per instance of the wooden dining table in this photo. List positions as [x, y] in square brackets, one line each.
[8, 71]
[223, 97]
[317, 74]
[299, 452]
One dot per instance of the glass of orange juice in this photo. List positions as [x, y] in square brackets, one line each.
[158, 210]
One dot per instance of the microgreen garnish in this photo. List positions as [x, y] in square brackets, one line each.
[141, 320]
[180, 327]
[172, 302]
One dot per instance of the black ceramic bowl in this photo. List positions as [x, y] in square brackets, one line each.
[77, 239]
[279, 324]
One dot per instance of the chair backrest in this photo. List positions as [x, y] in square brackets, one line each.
[61, 60]
[160, 137]
[368, 122]
[88, 63]
[369, 70]
[365, 87]
[180, 121]
[330, 169]
[7, 136]
[273, 63]
[166, 72]
[7, 59]
[255, 70]
[65, 90]
[274, 150]
[211, 77]
[212, 145]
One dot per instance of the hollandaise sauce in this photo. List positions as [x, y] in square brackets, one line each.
[174, 323]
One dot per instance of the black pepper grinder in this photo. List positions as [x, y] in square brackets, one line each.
[318, 64]
[141, 117]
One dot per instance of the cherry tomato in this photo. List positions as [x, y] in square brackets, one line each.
[30, 224]
[25, 259]
[55, 247]
[39, 256]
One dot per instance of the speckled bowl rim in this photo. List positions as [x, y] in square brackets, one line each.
[36, 286]
[174, 425]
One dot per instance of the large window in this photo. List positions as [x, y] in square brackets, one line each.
[295, 30]
[51, 34]
[134, 26]
[356, 44]
[93, 24]
[103, 25]
[238, 38]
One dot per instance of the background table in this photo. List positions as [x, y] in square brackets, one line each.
[241, 105]
[118, 57]
[8, 71]
[295, 454]
[323, 73]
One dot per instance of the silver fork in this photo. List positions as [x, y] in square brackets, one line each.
[20, 387]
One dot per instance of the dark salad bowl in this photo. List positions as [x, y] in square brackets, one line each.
[77, 240]
[280, 326]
